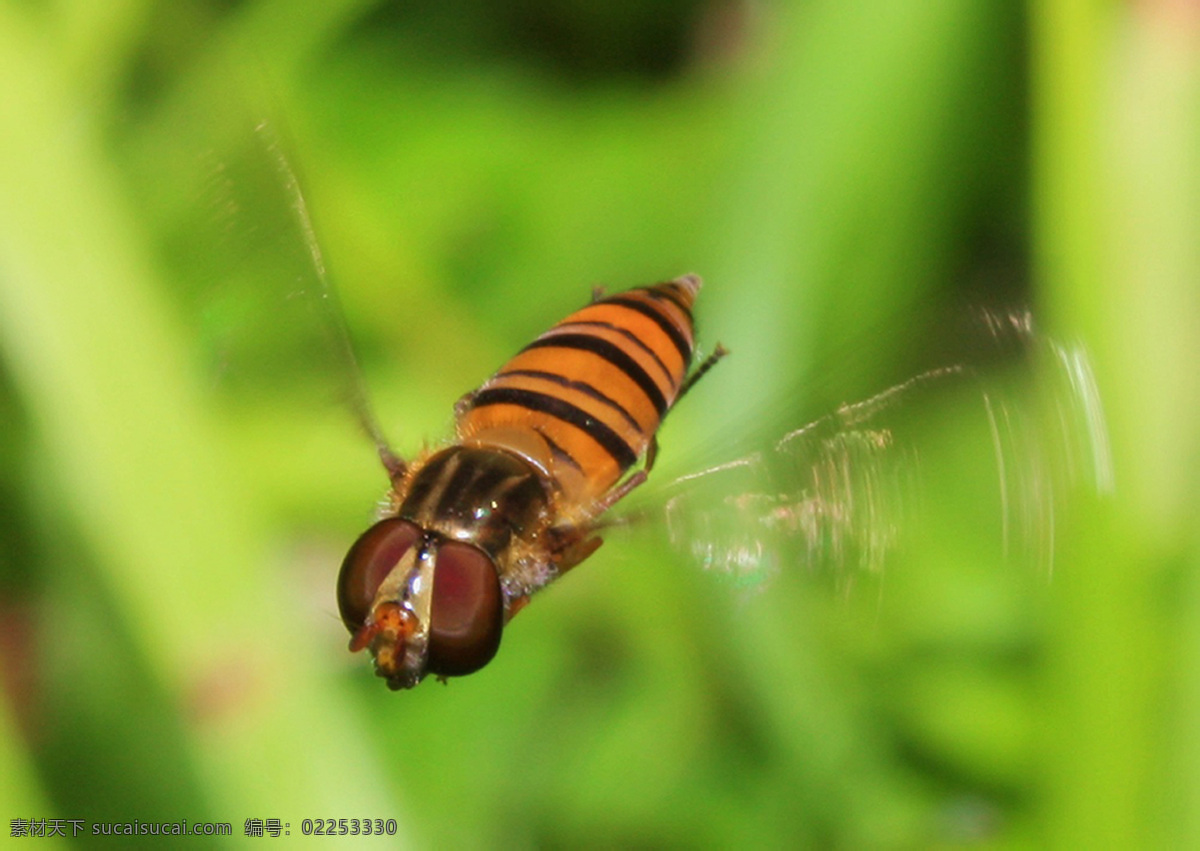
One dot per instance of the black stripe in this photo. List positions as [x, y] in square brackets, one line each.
[461, 478]
[469, 479]
[612, 443]
[582, 386]
[668, 327]
[419, 495]
[629, 335]
[611, 353]
[558, 451]
[669, 292]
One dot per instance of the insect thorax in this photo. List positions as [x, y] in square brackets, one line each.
[482, 496]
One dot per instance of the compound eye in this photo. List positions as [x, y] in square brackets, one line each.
[467, 610]
[372, 557]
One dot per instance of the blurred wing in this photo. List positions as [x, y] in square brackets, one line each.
[245, 247]
[840, 496]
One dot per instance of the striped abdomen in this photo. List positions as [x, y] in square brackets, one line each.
[583, 401]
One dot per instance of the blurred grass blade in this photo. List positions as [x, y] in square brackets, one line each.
[97, 357]
[1117, 191]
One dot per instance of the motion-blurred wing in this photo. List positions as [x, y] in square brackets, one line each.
[995, 449]
[243, 249]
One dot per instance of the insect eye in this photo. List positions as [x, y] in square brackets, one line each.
[372, 557]
[467, 612]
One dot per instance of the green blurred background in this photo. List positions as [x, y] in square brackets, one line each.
[179, 482]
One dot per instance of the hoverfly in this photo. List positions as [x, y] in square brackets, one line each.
[541, 450]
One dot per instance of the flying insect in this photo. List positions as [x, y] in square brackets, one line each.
[542, 450]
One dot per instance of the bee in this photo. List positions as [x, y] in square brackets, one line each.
[541, 451]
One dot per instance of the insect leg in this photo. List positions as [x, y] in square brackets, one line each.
[698, 373]
[620, 491]
[395, 465]
[573, 546]
[464, 404]
[577, 551]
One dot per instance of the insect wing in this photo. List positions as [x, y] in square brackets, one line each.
[241, 244]
[993, 450]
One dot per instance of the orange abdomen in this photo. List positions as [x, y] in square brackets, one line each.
[583, 401]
